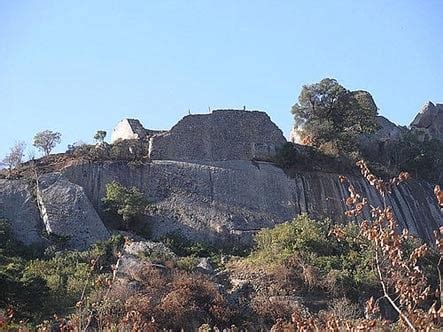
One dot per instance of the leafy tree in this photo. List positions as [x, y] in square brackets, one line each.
[330, 117]
[15, 156]
[100, 136]
[46, 140]
[128, 203]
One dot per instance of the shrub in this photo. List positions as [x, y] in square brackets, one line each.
[35, 287]
[65, 275]
[192, 300]
[319, 260]
[128, 203]
[188, 263]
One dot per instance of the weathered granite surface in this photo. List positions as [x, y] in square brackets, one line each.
[17, 206]
[377, 145]
[230, 200]
[66, 211]
[429, 122]
[222, 202]
[221, 135]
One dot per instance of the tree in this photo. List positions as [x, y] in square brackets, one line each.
[100, 136]
[15, 156]
[331, 117]
[128, 203]
[46, 140]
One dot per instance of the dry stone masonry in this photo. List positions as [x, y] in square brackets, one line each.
[131, 129]
[220, 135]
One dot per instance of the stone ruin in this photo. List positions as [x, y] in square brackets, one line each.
[220, 135]
[251, 135]
[132, 129]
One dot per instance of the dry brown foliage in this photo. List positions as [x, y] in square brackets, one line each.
[401, 278]
[156, 297]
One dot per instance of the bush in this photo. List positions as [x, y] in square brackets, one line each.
[66, 274]
[294, 158]
[128, 203]
[424, 159]
[36, 287]
[304, 247]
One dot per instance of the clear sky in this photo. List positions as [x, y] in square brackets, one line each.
[78, 66]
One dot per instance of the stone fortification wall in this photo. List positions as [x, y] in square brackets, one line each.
[221, 135]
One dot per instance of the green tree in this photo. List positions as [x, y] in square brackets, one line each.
[331, 117]
[100, 136]
[128, 203]
[46, 141]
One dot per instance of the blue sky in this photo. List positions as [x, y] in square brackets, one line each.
[79, 66]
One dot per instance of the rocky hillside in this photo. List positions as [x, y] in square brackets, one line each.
[221, 202]
[211, 188]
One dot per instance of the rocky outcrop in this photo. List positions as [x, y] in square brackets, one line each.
[429, 122]
[67, 212]
[17, 207]
[223, 202]
[377, 146]
[136, 257]
[221, 135]
[147, 249]
[229, 201]
[365, 101]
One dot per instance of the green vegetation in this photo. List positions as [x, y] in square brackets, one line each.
[331, 117]
[192, 249]
[24, 294]
[46, 141]
[294, 158]
[303, 258]
[100, 136]
[305, 247]
[128, 203]
[424, 159]
[35, 285]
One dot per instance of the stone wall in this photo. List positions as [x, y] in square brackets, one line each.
[130, 129]
[221, 135]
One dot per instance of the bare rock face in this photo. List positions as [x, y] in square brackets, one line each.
[228, 201]
[17, 206]
[67, 212]
[377, 145]
[137, 256]
[147, 248]
[221, 135]
[429, 122]
[220, 202]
